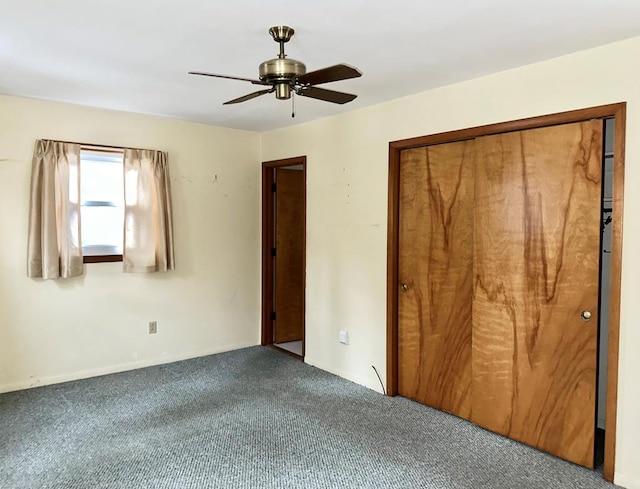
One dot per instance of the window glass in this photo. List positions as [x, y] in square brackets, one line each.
[102, 206]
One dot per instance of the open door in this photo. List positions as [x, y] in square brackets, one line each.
[289, 256]
[284, 254]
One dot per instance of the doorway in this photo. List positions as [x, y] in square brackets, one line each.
[605, 286]
[283, 254]
[498, 185]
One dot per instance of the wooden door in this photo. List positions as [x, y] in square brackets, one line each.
[289, 259]
[435, 272]
[536, 268]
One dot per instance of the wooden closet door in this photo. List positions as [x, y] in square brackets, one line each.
[435, 273]
[289, 261]
[536, 268]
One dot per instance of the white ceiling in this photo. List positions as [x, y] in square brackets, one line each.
[134, 55]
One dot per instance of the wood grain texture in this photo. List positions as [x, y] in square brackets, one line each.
[289, 262]
[618, 111]
[392, 270]
[536, 267]
[436, 262]
[614, 293]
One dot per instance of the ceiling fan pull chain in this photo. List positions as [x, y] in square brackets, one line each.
[293, 103]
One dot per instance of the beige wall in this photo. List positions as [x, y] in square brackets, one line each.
[347, 205]
[52, 331]
[58, 330]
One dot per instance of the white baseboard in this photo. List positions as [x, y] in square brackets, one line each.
[372, 383]
[36, 381]
[628, 482]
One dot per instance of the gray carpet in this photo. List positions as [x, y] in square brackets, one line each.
[252, 418]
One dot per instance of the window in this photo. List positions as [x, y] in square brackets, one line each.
[102, 204]
[80, 191]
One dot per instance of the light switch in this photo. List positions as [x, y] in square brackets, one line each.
[343, 337]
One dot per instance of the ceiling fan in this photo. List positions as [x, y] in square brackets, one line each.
[285, 76]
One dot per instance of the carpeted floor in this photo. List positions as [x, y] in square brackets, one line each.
[253, 418]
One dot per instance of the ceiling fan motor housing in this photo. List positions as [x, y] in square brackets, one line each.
[281, 72]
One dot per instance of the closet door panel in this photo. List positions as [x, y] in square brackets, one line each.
[536, 268]
[435, 274]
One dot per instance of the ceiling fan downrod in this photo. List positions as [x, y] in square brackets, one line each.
[282, 34]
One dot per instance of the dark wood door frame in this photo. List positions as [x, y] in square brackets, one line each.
[267, 240]
[618, 111]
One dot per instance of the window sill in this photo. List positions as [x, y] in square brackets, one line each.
[101, 258]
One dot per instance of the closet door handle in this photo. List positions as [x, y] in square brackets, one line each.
[585, 315]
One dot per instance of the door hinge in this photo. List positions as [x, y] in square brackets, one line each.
[273, 316]
[273, 187]
[273, 252]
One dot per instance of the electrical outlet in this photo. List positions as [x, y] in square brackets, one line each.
[343, 337]
[153, 327]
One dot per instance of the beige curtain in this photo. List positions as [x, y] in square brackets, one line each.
[148, 228]
[54, 246]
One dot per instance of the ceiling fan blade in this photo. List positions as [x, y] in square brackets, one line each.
[249, 96]
[326, 95]
[330, 74]
[255, 82]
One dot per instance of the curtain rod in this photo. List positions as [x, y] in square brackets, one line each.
[92, 145]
